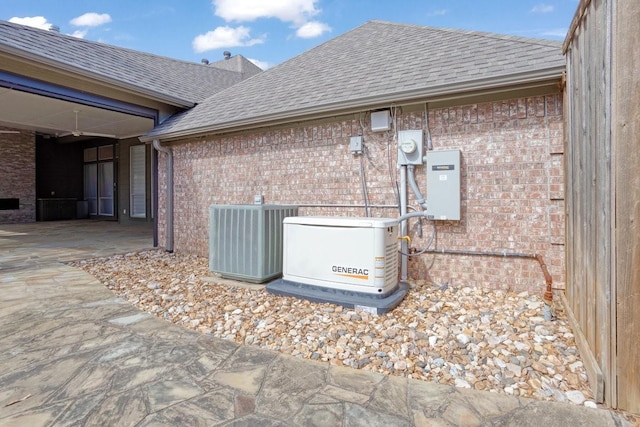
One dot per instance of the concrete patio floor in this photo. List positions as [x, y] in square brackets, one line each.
[73, 354]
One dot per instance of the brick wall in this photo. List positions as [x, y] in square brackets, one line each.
[511, 184]
[18, 175]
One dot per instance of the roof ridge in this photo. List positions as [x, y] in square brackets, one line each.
[51, 33]
[479, 33]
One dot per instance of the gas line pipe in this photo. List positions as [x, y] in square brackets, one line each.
[548, 294]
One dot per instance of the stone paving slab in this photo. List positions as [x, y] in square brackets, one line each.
[72, 354]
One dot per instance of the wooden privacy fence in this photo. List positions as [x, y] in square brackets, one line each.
[603, 194]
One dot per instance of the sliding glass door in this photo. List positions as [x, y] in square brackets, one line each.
[99, 181]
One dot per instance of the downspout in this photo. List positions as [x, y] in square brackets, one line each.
[169, 195]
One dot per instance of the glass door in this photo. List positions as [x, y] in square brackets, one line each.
[99, 180]
[91, 187]
[105, 189]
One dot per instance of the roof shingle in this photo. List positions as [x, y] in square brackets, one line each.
[153, 74]
[376, 61]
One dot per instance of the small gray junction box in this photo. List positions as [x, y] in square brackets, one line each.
[443, 185]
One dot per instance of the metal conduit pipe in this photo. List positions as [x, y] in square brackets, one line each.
[548, 294]
[421, 214]
[169, 215]
[338, 205]
[404, 246]
[414, 186]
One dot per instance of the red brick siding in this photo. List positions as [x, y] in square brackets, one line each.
[512, 191]
[18, 175]
[510, 173]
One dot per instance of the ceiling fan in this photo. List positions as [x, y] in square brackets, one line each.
[78, 132]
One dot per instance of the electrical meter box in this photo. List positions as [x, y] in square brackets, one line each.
[443, 185]
[410, 147]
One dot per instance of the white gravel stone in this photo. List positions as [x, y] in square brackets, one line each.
[463, 339]
[575, 366]
[432, 341]
[575, 396]
[459, 382]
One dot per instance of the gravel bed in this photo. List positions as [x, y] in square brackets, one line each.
[483, 339]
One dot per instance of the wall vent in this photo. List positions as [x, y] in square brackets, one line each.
[245, 241]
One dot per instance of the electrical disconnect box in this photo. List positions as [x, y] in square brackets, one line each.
[355, 144]
[410, 147]
[443, 185]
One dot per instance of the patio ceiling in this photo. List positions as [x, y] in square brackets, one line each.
[57, 117]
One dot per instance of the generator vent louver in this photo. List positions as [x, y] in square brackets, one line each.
[391, 263]
[245, 241]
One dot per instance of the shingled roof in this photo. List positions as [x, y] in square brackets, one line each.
[173, 81]
[237, 63]
[376, 63]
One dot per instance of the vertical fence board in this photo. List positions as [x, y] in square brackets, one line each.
[626, 140]
[589, 183]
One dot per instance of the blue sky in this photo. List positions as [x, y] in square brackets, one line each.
[271, 31]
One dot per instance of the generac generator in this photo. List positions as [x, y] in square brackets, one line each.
[348, 261]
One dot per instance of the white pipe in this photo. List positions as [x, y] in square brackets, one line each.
[419, 214]
[404, 259]
[169, 215]
[414, 186]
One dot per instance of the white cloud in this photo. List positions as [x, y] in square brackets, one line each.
[79, 34]
[312, 29]
[440, 12]
[297, 12]
[91, 19]
[225, 37]
[262, 64]
[542, 8]
[33, 21]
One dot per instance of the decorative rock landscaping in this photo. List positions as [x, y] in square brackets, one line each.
[471, 338]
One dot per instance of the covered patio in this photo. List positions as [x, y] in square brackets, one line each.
[35, 244]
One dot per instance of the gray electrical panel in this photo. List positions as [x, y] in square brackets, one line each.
[443, 185]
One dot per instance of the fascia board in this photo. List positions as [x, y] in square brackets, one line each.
[154, 95]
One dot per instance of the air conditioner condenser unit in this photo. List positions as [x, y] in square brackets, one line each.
[348, 261]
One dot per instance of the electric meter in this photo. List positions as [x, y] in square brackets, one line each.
[408, 146]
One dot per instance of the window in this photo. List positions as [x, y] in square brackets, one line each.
[137, 179]
[90, 154]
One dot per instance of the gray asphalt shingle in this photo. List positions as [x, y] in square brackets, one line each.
[377, 60]
[187, 81]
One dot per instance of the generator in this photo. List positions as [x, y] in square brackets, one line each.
[348, 261]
